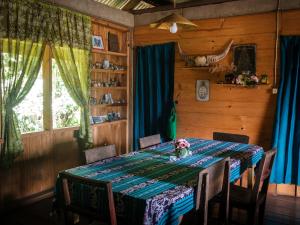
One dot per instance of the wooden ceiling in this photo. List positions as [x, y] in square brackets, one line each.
[146, 6]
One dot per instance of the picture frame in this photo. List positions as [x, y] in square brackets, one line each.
[97, 42]
[99, 119]
[202, 90]
[244, 58]
[113, 42]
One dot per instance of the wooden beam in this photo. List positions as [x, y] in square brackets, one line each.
[130, 5]
[180, 6]
[157, 3]
[47, 89]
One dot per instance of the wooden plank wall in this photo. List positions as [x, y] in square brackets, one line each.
[247, 111]
[35, 171]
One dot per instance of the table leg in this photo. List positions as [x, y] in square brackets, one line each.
[180, 219]
[250, 177]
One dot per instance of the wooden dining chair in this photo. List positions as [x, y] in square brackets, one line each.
[219, 136]
[78, 208]
[99, 153]
[253, 200]
[149, 141]
[213, 182]
[239, 138]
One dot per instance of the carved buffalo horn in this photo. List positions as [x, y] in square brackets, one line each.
[203, 60]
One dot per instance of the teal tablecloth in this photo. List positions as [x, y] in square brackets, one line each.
[150, 189]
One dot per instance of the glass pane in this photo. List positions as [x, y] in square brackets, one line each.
[30, 110]
[65, 111]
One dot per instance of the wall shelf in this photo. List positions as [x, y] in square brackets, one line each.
[109, 71]
[194, 68]
[243, 86]
[108, 88]
[97, 51]
[109, 105]
[109, 123]
[120, 134]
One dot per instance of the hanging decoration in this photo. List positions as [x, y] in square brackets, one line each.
[203, 60]
[174, 22]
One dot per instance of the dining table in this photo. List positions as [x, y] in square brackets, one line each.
[151, 188]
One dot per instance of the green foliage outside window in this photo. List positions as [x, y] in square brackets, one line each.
[66, 112]
[30, 111]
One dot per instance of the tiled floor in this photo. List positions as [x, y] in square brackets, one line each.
[281, 210]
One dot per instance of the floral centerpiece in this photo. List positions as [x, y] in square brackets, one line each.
[182, 148]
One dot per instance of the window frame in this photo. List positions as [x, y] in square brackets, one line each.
[47, 96]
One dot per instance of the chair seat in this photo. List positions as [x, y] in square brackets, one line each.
[241, 196]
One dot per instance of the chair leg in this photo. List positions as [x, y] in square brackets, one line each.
[224, 213]
[66, 217]
[251, 216]
[261, 213]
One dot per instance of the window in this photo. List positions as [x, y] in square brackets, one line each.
[65, 112]
[30, 110]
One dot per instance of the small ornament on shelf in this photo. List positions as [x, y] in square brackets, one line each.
[264, 79]
[246, 78]
[106, 99]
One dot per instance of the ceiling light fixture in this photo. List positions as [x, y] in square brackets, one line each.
[173, 23]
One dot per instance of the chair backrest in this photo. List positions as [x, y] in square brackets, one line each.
[263, 175]
[231, 137]
[96, 154]
[68, 179]
[149, 141]
[213, 181]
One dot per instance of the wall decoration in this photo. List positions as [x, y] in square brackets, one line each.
[105, 64]
[202, 90]
[203, 60]
[264, 79]
[113, 43]
[244, 58]
[97, 42]
[106, 99]
[99, 119]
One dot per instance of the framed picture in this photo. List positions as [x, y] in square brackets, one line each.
[113, 42]
[99, 119]
[244, 58]
[97, 42]
[202, 90]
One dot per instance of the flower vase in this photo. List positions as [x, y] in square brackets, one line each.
[182, 152]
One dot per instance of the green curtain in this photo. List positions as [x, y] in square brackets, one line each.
[21, 51]
[25, 27]
[20, 64]
[71, 46]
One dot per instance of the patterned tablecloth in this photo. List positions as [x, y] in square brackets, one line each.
[150, 189]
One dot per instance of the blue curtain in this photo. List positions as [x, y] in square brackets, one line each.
[154, 88]
[286, 138]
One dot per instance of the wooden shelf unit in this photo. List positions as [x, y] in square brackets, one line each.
[114, 132]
